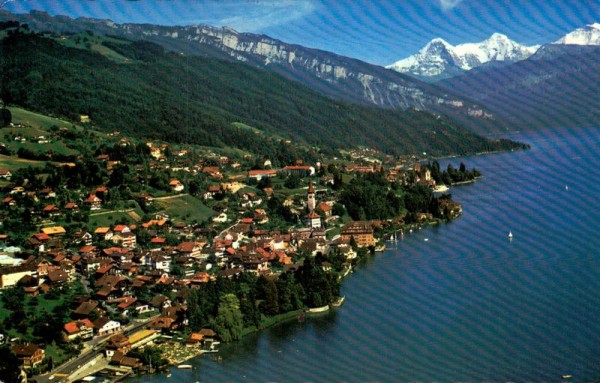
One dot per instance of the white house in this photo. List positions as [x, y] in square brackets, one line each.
[104, 326]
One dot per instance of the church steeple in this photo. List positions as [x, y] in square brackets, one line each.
[310, 197]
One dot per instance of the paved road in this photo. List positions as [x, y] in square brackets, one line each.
[88, 354]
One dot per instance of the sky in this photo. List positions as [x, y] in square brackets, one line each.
[377, 31]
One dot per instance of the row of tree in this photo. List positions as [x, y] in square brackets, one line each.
[232, 305]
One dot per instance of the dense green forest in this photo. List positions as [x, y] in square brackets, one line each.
[163, 95]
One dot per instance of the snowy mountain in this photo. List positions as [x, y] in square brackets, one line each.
[588, 35]
[439, 59]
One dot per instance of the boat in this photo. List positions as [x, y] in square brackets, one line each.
[169, 375]
[510, 234]
[426, 240]
[567, 376]
[185, 366]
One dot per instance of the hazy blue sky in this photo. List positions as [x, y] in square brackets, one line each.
[379, 32]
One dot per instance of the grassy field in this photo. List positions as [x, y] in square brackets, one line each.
[84, 40]
[28, 132]
[107, 218]
[35, 120]
[14, 163]
[56, 147]
[185, 207]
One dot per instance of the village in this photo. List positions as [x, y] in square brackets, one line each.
[123, 285]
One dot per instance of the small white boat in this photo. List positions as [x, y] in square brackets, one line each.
[567, 376]
[185, 366]
[510, 234]
[426, 240]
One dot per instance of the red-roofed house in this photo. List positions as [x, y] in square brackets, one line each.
[312, 220]
[190, 249]
[124, 236]
[93, 202]
[83, 329]
[176, 185]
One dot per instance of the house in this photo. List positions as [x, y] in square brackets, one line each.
[190, 249]
[298, 170]
[142, 338]
[48, 193]
[6, 174]
[312, 220]
[119, 359]
[146, 197]
[160, 302]
[117, 343]
[162, 323]
[195, 338]
[158, 260]
[212, 191]
[9, 201]
[105, 326]
[82, 238]
[260, 174]
[325, 208]
[360, 231]
[260, 216]
[54, 231]
[9, 276]
[57, 278]
[39, 241]
[103, 233]
[71, 206]
[80, 329]
[93, 202]
[85, 309]
[29, 354]
[123, 236]
[219, 217]
[176, 185]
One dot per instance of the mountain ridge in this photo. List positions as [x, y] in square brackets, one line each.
[331, 74]
[557, 86]
[158, 94]
[439, 59]
[587, 35]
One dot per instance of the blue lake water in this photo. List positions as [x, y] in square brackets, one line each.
[468, 305]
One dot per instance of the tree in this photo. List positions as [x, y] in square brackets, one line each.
[229, 322]
[267, 291]
[292, 182]
[9, 365]
[5, 117]
[338, 209]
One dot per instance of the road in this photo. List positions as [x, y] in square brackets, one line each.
[69, 367]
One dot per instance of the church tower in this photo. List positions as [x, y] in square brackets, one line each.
[310, 197]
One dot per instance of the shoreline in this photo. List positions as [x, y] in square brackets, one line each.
[301, 314]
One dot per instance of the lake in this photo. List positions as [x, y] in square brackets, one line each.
[468, 304]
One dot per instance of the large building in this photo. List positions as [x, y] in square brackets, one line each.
[361, 231]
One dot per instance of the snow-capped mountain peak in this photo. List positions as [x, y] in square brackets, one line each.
[588, 35]
[439, 58]
[431, 60]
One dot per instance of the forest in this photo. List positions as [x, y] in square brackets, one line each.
[178, 98]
